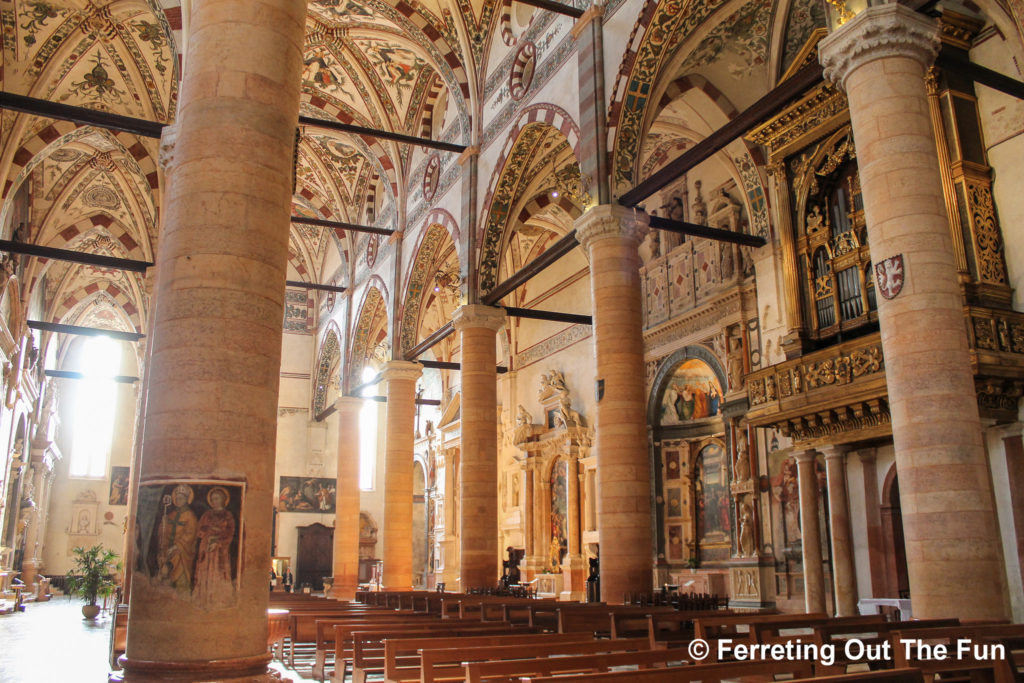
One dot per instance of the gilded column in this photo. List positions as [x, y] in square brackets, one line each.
[399, 378]
[953, 553]
[610, 236]
[478, 482]
[210, 432]
[346, 520]
[529, 520]
[810, 532]
[845, 577]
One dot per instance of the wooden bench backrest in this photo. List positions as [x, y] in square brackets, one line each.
[977, 634]
[724, 626]
[505, 671]
[596, 618]
[769, 631]
[825, 633]
[886, 676]
[684, 674]
[444, 656]
[366, 643]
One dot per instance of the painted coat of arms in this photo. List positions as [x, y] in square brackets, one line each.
[889, 276]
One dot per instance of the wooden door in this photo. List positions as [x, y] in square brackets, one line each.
[316, 549]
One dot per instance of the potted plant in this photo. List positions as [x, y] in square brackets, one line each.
[92, 576]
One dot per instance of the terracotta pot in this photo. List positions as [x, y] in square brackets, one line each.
[90, 611]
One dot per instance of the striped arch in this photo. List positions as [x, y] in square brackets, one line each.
[429, 105]
[373, 145]
[369, 329]
[544, 201]
[79, 230]
[317, 203]
[92, 291]
[433, 241]
[327, 368]
[55, 135]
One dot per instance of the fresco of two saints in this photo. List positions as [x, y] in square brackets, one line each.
[188, 538]
[692, 392]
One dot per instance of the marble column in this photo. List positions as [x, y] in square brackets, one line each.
[810, 532]
[346, 519]
[529, 520]
[399, 379]
[610, 236]
[844, 574]
[216, 356]
[477, 326]
[953, 555]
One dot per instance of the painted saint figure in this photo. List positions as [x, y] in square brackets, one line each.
[177, 549]
[213, 585]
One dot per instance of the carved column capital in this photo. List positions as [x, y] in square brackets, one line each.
[401, 370]
[610, 220]
[348, 404]
[478, 315]
[890, 30]
[835, 452]
[806, 456]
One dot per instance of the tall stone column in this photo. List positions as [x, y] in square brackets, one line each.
[955, 567]
[845, 577]
[810, 532]
[478, 483]
[399, 377]
[530, 520]
[216, 356]
[610, 235]
[346, 520]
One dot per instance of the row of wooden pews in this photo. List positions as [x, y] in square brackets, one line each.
[405, 637]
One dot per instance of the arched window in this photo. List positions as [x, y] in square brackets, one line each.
[94, 407]
[368, 434]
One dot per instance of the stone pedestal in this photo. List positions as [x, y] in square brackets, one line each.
[751, 584]
[399, 378]
[478, 481]
[845, 577]
[810, 532]
[211, 419]
[955, 569]
[346, 519]
[610, 236]
[574, 579]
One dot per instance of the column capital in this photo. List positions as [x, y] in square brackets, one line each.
[835, 452]
[805, 456]
[890, 30]
[610, 220]
[401, 369]
[348, 403]
[478, 315]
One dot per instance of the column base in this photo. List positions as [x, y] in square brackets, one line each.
[340, 590]
[236, 670]
[750, 583]
[574, 587]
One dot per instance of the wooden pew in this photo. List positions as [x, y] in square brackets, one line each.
[885, 676]
[511, 670]
[664, 629]
[367, 649]
[736, 627]
[594, 619]
[771, 630]
[1000, 670]
[302, 624]
[872, 635]
[685, 674]
[432, 660]
[325, 631]
[344, 635]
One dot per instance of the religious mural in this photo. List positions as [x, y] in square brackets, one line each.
[559, 520]
[712, 502]
[307, 494]
[118, 485]
[692, 392]
[188, 538]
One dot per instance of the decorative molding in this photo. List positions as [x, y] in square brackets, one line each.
[552, 345]
[824, 103]
[879, 32]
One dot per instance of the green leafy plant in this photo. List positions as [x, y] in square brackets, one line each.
[692, 562]
[92, 575]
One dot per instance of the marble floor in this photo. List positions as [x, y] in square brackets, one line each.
[50, 642]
